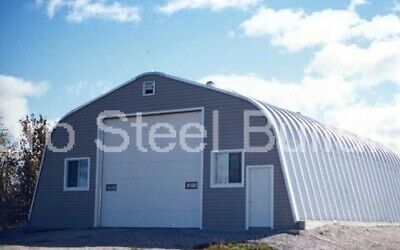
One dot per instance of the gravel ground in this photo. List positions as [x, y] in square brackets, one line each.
[332, 237]
[125, 238]
[338, 237]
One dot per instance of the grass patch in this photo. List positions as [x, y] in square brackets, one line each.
[239, 246]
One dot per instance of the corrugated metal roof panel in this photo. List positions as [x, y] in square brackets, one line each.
[333, 174]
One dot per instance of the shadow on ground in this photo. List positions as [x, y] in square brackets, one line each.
[126, 237]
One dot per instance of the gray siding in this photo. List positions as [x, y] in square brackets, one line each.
[223, 208]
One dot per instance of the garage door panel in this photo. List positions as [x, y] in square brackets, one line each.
[131, 157]
[151, 219]
[186, 175]
[145, 159]
[170, 202]
[147, 186]
[159, 170]
[150, 187]
[144, 144]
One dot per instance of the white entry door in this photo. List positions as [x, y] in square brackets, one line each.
[150, 188]
[260, 196]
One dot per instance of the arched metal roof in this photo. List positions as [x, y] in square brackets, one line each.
[333, 174]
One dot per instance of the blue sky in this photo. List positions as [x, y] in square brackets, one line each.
[53, 61]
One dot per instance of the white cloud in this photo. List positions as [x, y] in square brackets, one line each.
[13, 100]
[355, 3]
[53, 6]
[379, 28]
[351, 54]
[173, 6]
[295, 30]
[375, 64]
[88, 90]
[80, 10]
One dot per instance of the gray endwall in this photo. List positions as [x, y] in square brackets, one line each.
[223, 208]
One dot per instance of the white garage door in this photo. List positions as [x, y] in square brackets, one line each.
[152, 189]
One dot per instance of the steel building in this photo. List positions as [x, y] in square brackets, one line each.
[310, 172]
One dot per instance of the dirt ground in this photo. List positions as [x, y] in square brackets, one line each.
[338, 237]
[329, 237]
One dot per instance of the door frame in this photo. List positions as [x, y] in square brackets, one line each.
[99, 160]
[248, 192]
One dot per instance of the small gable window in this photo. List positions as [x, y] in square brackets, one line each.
[149, 88]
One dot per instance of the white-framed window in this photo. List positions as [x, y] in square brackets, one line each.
[76, 174]
[227, 168]
[149, 88]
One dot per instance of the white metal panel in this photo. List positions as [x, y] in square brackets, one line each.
[336, 175]
[380, 186]
[362, 167]
[351, 154]
[320, 174]
[339, 167]
[387, 165]
[151, 185]
[307, 160]
[299, 189]
[310, 147]
[304, 172]
[286, 160]
[384, 165]
[333, 178]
